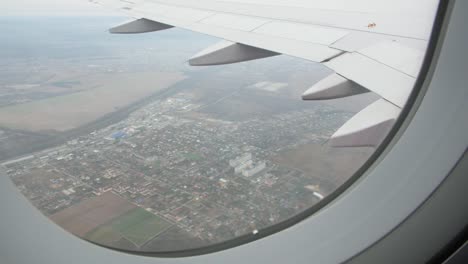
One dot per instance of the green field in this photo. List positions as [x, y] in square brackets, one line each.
[104, 235]
[137, 226]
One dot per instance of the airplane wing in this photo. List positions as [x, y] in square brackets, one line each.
[371, 45]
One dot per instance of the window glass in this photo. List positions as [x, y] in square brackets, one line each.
[119, 141]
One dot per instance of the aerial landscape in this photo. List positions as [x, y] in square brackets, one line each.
[118, 141]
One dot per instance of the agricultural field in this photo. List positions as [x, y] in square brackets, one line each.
[111, 220]
[99, 95]
[137, 226]
[86, 216]
[330, 167]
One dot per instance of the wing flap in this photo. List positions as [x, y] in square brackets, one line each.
[391, 53]
[358, 40]
[302, 32]
[389, 83]
[237, 22]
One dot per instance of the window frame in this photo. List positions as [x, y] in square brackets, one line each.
[336, 230]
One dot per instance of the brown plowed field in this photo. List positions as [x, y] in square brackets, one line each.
[87, 215]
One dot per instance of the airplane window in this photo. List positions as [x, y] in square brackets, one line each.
[119, 141]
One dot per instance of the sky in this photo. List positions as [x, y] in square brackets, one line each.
[50, 7]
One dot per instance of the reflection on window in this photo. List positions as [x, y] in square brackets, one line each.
[118, 141]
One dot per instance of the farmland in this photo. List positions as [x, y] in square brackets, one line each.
[102, 94]
[111, 220]
[329, 166]
[92, 213]
[137, 226]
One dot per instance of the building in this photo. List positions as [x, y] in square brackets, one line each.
[239, 169]
[240, 160]
[251, 172]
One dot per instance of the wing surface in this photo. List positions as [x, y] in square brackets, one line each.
[371, 45]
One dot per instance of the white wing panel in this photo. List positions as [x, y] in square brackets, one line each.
[363, 6]
[399, 17]
[357, 40]
[397, 56]
[386, 81]
[181, 14]
[302, 32]
[243, 23]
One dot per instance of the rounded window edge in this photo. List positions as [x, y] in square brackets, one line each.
[408, 111]
[262, 233]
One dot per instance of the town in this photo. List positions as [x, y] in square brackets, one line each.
[213, 178]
